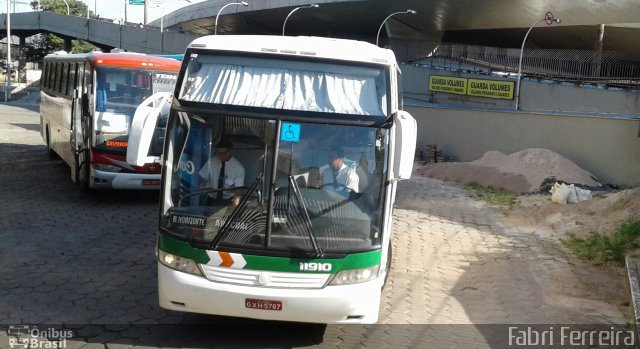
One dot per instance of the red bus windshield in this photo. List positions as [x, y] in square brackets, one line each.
[118, 93]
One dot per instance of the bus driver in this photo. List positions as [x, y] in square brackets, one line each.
[223, 172]
[339, 177]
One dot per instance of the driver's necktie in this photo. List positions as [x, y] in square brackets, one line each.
[220, 182]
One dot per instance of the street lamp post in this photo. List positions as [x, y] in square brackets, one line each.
[66, 3]
[294, 10]
[409, 11]
[549, 19]
[7, 92]
[162, 15]
[215, 28]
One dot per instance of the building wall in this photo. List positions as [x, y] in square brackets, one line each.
[535, 95]
[597, 128]
[609, 148]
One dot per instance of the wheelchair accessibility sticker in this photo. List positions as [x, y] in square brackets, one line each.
[290, 132]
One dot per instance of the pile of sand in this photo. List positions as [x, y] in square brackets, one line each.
[520, 172]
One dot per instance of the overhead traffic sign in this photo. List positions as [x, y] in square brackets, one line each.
[136, 2]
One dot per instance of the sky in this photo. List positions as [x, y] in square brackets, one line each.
[115, 8]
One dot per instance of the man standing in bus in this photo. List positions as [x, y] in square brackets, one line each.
[339, 177]
[223, 171]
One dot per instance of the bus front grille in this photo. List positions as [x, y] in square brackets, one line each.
[264, 278]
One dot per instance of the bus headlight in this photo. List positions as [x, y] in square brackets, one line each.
[178, 263]
[354, 276]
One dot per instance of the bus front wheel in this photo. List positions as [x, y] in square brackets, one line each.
[83, 170]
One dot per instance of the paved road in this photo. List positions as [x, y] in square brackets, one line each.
[85, 263]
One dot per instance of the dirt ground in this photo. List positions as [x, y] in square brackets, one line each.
[524, 172]
[597, 290]
[602, 214]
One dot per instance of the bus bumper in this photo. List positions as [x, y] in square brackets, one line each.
[117, 180]
[357, 303]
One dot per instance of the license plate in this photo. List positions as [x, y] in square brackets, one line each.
[150, 182]
[263, 304]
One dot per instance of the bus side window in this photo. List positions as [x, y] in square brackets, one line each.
[50, 75]
[56, 79]
[72, 79]
[45, 71]
[65, 79]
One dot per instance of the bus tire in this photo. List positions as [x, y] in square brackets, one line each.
[83, 172]
[50, 152]
[388, 266]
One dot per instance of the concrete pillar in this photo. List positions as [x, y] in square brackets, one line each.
[597, 64]
[67, 44]
[21, 60]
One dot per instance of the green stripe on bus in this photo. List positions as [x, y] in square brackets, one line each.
[352, 261]
[284, 264]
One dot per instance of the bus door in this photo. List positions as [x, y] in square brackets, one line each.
[75, 87]
[143, 128]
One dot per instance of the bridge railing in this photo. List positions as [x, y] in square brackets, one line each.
[579, 66]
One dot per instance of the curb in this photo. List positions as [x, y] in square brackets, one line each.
[633, 291]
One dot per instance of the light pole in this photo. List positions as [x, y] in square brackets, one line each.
[215, 28]
[162, 15]
[549, 19]
[7, 92]
[409, 11]
[294, 10]
[66, 3]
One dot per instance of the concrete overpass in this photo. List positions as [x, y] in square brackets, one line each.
[103, 34]
[495, 23]
[487, 22]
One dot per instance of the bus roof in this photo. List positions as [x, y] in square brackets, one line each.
[308, 46]
[122, 59]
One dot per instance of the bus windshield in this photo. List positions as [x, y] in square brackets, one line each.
[315, 86]
[118, 93]
[308, 189]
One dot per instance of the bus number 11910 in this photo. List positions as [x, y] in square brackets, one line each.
[315, 266]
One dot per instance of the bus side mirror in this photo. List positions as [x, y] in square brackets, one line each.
[406, 130]
[142, 129]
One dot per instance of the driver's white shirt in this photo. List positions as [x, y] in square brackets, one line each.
[233, 174]
[344, 177]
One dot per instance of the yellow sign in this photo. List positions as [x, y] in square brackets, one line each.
[448, 84]
[472, 87]
[490, 88]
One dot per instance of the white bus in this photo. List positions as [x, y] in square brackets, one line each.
[87, 103]
[296, 247]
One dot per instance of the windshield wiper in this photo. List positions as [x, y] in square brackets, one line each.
[228, 222]
[305, 215]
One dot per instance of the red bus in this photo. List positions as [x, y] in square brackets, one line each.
[87, 107]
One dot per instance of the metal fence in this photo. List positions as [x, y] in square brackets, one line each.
[580, 66]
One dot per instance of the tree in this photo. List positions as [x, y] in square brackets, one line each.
[47, 43]
[76, 8]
